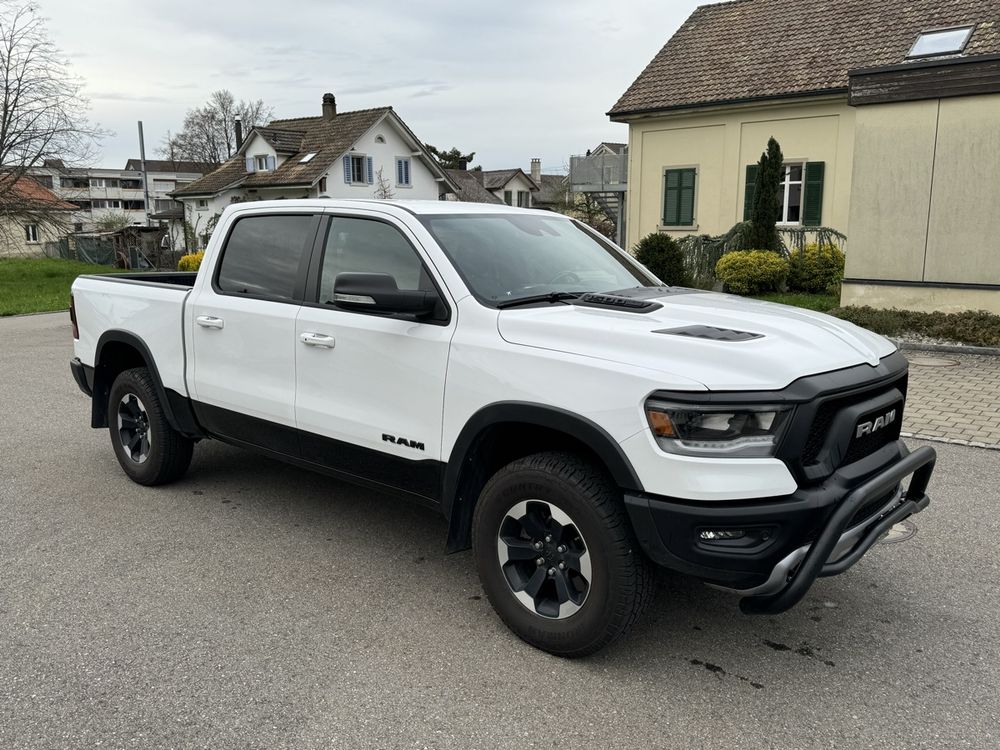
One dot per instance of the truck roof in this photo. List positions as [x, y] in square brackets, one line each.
[411, 206]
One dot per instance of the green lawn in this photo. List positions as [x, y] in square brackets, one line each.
[818, 302]
[30, 285]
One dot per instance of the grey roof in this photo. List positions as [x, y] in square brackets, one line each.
[761, 49]
[495, 179]
[470, 186]
[281, 140]
[552, 189]
[170, 165]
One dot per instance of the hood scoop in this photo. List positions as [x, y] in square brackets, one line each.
[711, 333]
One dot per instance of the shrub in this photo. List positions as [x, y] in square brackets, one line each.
[974, 327]
[751, 271]
[815, 268]
[661, 255]
[191, 262]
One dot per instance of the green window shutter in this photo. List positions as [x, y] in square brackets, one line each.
[678, 197]
[748, 190]
[812, 201]
[671, 194]
[685, 207]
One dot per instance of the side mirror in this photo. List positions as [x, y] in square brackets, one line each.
[377, 292]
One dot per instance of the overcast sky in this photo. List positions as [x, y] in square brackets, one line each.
[509, 80]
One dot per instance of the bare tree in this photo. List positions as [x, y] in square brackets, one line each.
[43, 116]
[209, 132]
[383, 188]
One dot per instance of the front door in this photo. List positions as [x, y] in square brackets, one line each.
[370, 387]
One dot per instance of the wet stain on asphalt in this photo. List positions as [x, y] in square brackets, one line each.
[717, 670]
[804, 650]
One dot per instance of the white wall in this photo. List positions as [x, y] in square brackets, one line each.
[518, 182]
[423, 185]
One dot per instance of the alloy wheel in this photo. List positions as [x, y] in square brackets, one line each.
[544, 559]
[133, 428]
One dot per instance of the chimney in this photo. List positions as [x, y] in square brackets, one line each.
[329, 106]
[239, 133]
[536, 170]
[463, 164]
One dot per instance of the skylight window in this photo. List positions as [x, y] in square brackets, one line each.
[307, 157]
[941, 42]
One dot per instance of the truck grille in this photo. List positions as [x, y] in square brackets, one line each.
[859, 447]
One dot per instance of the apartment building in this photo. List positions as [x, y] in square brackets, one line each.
[102, 193]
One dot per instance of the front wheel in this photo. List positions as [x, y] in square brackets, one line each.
[148, 449]
[557, 556]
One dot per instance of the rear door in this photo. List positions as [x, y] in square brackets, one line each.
[242, 341]
[370, 387]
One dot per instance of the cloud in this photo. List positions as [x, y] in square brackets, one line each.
[511, 80]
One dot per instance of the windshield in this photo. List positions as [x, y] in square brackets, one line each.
[507, 257]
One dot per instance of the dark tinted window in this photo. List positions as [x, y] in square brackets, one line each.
[263, 253]
[366, 246]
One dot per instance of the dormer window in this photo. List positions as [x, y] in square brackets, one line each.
[260, 163]
[941, 42]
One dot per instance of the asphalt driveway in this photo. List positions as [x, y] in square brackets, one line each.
[254, 605]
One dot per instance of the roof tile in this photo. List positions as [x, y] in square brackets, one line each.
[758, 49]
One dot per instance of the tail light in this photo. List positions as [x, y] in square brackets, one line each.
[72, 318]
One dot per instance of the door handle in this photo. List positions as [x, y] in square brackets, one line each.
[317, 339]
[208, 321]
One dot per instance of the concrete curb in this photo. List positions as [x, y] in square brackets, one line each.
[951, 441]
[989, 351]
[29, 315]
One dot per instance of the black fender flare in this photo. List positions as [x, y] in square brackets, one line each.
[176, 408]
[458, 509]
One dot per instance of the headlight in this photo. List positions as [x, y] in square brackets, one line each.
[719, 431]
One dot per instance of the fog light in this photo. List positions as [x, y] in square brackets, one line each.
[720, 534]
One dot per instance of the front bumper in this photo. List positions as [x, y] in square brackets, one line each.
[789, 541]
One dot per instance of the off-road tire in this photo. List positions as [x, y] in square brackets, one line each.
[622, 582]
[169, 453]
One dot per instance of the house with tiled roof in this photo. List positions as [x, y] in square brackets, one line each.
[359, 154]
[30, 216]
[511, 186]
[887, 112]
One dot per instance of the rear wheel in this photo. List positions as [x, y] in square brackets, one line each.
[148, 449]
[557, 556]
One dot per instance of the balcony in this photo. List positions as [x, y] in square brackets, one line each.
[600, 173]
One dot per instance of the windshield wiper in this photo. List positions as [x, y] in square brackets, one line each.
[550, 297]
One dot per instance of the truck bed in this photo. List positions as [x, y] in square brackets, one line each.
[173, 278]
[148, 305]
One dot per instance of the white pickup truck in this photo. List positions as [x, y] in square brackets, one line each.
[575, 420]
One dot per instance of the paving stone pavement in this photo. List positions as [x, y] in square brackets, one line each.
[954, 397]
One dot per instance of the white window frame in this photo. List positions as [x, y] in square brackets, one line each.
[361, 159]
[260, 162]
[201, 204]
[31, 234]
[786, 189]
[409, 171]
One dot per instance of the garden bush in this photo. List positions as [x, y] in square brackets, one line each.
[191, 262]
[751, 271]
[815, 268]
[974, 327]
[661, 255]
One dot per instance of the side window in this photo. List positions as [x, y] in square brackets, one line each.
[368, 246]
[262, 255]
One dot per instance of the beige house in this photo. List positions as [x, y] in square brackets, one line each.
[887, 112]
[30, 216]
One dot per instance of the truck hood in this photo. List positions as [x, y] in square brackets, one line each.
[788, 343]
